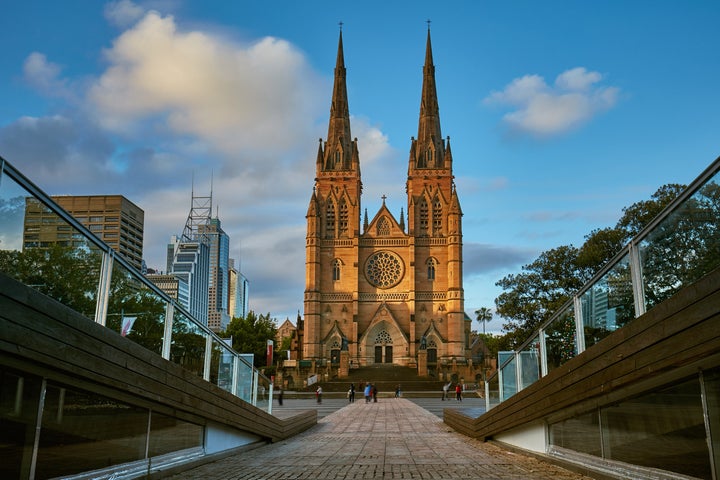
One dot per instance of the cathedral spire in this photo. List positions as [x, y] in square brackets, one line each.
[339, 146]
[429, 127]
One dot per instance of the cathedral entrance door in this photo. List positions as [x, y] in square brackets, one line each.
[378, 354]
[334, 356]
[388, 354]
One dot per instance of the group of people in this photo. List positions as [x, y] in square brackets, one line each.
[370, 392]
[458, 391]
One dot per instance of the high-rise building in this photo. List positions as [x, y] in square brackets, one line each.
[191, 264]
[218, 291]
[175, 287]
[239, 290]
[385, 292]
[112, 218]
[188, 257]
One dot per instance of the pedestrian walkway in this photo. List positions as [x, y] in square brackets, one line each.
[391, 439]
[472, 405]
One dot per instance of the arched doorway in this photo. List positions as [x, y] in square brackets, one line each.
[383, 347]
[432, 352]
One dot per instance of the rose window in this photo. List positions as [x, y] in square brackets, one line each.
[383, 337]
[384, 269]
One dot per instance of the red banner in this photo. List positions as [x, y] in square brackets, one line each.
[269, 353]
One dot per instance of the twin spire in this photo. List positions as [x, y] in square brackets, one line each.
[339, 152]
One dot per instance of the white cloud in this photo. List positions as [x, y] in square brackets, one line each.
[123, 13]
[373, 144]
[233, 98]
[173, 105]
[542, 110]
[45, 76]
[577, 79]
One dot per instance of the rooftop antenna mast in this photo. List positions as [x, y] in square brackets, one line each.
[199, 216]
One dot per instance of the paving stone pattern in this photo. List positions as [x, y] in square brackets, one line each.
[391, 439]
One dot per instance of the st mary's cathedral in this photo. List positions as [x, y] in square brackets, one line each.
[387, 291]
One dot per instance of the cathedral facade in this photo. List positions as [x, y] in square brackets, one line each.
[382, 290]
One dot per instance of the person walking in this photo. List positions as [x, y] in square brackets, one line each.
[446, 387]
[397, 391]
[351, 393]
[318, 394]
[458, 392]
[368, 392]
[374, 393]
[280, 397]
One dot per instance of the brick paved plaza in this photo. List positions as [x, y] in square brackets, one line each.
[391, 439]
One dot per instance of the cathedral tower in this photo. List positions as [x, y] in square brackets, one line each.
[385, 292]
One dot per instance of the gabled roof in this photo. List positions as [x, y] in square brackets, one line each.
[383, 315]
[335, 330]
[395, 229]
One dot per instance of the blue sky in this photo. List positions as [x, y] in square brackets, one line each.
[560, 113]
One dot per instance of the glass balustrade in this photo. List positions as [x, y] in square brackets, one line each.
[676, 249]
[608, 304]
[530, 367]
[45, 248]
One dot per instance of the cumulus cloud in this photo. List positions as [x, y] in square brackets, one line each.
[123, 13]
[45, 76]
[176, 110]
[542, 110]
[56, 149]
[233, 98]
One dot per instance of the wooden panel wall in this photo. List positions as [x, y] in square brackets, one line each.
[43, 337]
[674, 339]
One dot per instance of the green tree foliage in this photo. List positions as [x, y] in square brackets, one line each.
[639, 214]
[532, 296]
[69, 275]
[250, 335]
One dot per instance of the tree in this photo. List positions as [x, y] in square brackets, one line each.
[535, 294]
[250, 335]
[638, 215]
[483, 315]
[544, 286]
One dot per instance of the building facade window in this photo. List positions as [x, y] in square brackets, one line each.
[431, 264]
[383, 227]
[336, 270]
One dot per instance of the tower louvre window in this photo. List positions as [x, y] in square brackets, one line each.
[424, 214]
[437, 217]
[343, 224]
[330, 219]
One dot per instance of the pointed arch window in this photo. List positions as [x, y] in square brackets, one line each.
[431, 264]
[383, 227]
[330, 219]
[336, 270]
[429, 162]
[338, 159]
[343, 222]
[424, 214]
[437, 217]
